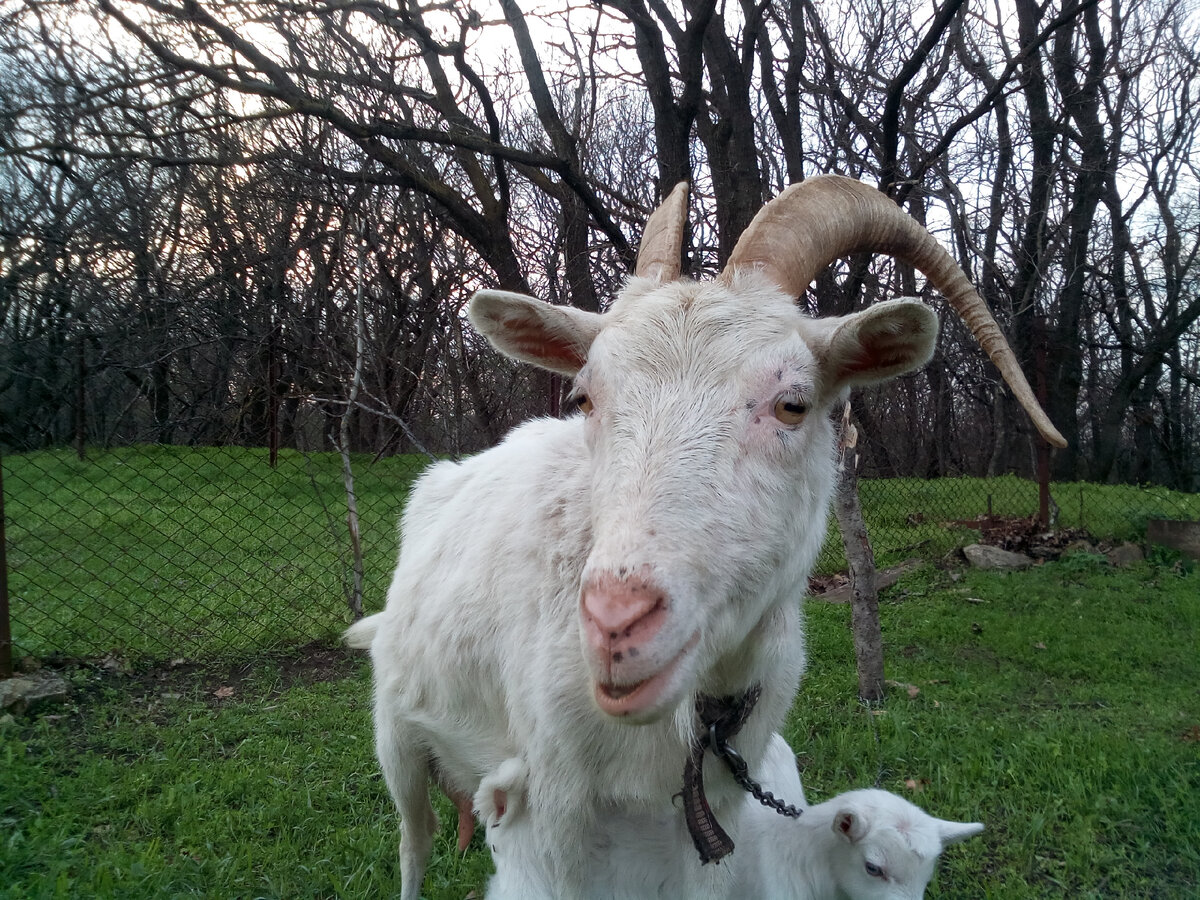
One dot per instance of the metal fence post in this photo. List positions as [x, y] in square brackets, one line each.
[6, 660]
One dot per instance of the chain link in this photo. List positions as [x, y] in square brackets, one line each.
[741, 774]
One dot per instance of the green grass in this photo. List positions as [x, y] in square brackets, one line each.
[151, 553]
[1062, 710]
[1059, 711]
[155, 788]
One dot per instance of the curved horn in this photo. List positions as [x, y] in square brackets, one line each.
[812, 223]
[662, 240]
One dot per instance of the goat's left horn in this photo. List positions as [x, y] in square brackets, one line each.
[662, 240]
[812, 223]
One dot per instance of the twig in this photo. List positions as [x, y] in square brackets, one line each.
[355, 598]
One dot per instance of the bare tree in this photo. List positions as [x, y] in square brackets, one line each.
[189, 190]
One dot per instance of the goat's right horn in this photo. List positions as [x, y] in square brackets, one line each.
[662, 239]
[812, 223]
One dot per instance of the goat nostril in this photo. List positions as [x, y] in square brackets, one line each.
[617, 610]
[617, 657]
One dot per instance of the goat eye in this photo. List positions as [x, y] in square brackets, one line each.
[582, 403]
[790, 411]
[873, 870]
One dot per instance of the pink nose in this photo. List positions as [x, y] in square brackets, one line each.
[622, 613]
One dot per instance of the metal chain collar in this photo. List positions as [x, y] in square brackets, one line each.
[721, 719]
[741, 774]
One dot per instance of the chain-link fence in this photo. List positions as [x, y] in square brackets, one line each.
[150, 554]
[155, 553]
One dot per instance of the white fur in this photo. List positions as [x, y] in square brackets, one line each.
[680, 478]
[627, 855]
[823, 855]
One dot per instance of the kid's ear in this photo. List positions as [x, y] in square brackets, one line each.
[550, 337]
[849, 825]
[956, 832]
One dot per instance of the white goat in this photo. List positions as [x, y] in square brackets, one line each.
[604, 571]
[861, 845]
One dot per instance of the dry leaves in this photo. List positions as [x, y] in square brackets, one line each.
[223, 693]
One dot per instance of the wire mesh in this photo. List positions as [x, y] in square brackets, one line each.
[155, 553]
[149, 554]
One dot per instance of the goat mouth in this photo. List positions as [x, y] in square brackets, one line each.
[630, 699]
[639, 697]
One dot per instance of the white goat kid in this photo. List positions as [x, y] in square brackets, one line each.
[604, 571]
[628, 855]
[861, 845]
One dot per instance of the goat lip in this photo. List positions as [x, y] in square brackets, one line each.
[639, 697]
[629, 699]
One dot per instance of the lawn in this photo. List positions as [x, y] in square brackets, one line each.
[142, 555]
[147, 554]
[928, 518]
[1058, 706]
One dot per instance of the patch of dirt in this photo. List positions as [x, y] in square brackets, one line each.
[824, 584]
[319, 661]
[1024, 535]
[1013, 533]
[836, 588]
[310, 664]
[219, 681]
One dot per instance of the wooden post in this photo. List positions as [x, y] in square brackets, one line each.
[860, 557]
[355, 598]
[273, 393]
[1043, 447]
[555, 395]
[81, 397]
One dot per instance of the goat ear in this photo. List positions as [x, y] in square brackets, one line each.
[849, 824]
[551, 337]
[956, 832]
[881, 342]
